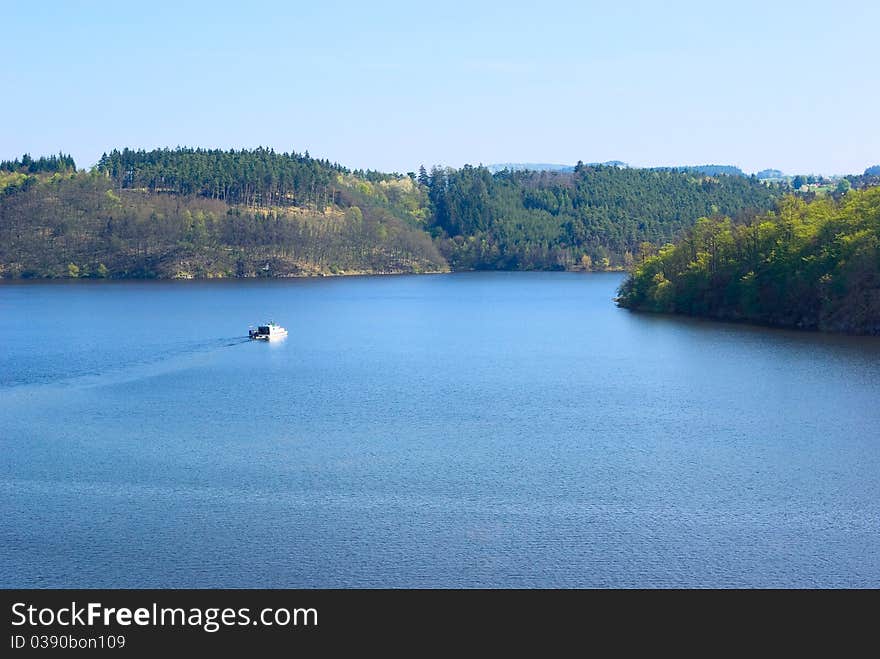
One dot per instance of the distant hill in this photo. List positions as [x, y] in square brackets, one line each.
[546, 167]
[529, 167]
[873, 171]
[715, 170]
[708, 170]
[769, 174]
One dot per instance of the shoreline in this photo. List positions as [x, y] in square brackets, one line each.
[316, 275]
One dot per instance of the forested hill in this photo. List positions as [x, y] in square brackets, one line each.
[811, 265]
[596, 216]
[260, 177]
[198, 213]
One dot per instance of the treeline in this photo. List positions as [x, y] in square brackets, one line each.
[595, 217]
[257, 178]
[79, 226]
[42, 165]
[811, 265]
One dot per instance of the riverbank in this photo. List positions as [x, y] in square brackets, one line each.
[809, 266]
[273, 273]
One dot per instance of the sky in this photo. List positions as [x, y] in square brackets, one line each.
[391, 85]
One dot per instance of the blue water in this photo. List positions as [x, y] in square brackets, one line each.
[475, 430]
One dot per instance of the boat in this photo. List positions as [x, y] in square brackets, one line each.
[267, 332]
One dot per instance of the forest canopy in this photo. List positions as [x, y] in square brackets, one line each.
[596, 216]
[51, 164]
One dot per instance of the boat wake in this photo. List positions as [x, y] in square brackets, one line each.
[176, 358]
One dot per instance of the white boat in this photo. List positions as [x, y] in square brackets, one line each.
[267, 332]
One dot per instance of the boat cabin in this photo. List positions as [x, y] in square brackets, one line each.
[268, 331]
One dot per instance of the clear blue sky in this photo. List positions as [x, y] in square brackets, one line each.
[390, 85]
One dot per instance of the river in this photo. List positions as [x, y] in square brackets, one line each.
[464, 430]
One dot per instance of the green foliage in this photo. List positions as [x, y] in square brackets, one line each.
[42, 165]
[257, 178]
[547, 220]
[808, 264]
[196, 212]
[56, 223]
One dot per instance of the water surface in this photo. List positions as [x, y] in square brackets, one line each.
[475, 430]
